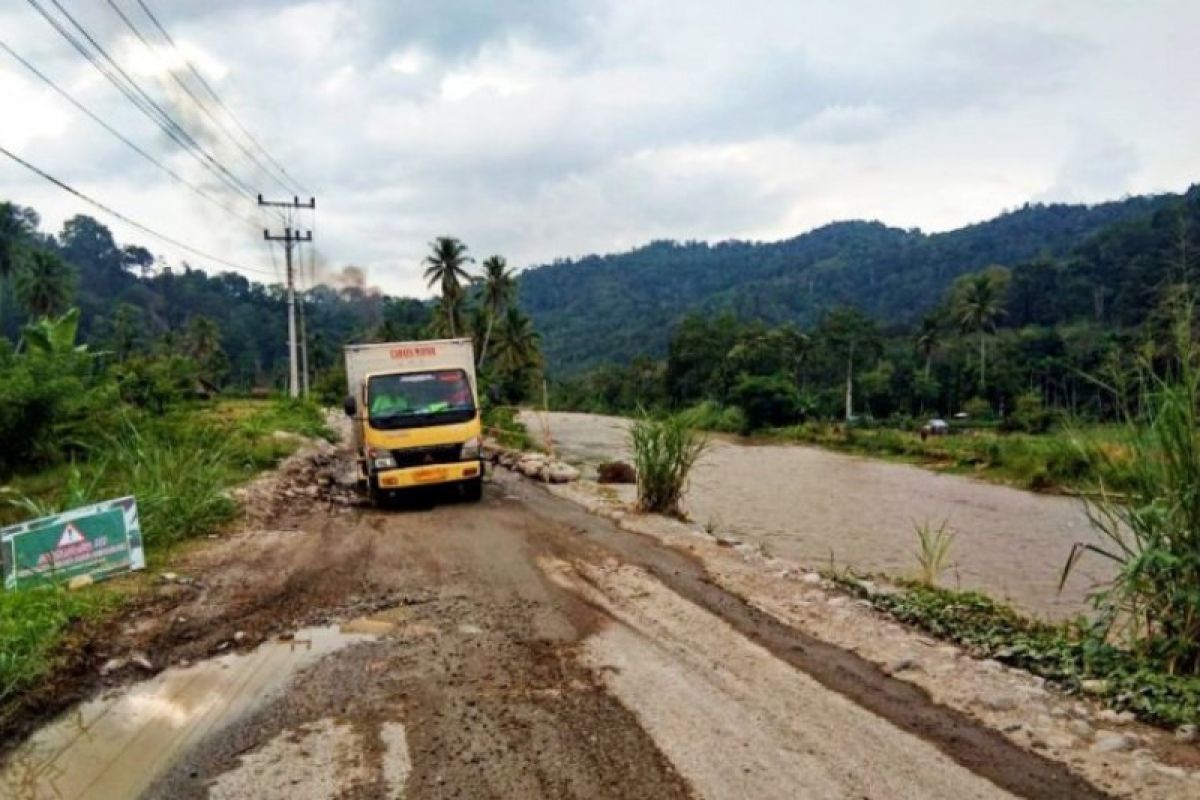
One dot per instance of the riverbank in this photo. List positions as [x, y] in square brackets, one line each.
[1071, 462]
[826, 509]
[1062, 720]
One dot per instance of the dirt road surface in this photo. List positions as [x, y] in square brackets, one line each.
[516, 648]
[811, 505]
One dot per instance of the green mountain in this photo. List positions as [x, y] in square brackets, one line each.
[613, 308]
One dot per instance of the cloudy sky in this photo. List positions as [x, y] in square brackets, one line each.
[553, 128]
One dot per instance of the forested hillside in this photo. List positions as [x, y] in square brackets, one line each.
[613, 308]
[1017, 341]
[130, 304]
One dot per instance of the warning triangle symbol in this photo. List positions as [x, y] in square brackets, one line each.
[71, 535]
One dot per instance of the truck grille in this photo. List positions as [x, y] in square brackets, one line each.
[423, 456]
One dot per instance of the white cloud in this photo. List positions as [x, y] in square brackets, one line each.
[545, 128]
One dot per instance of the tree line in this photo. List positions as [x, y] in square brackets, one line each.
[1014, 345]
[89, 327]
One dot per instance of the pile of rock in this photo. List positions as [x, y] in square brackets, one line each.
[538, 466]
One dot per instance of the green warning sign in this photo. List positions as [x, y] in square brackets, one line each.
[97, 540]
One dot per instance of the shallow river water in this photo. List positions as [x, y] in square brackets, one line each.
[815, 506]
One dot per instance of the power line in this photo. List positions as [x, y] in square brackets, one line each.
[140, 99]
[199, 104]
[295, 186]
[99, 121]
[118, 215]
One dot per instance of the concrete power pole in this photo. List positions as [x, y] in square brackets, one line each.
[303, 352]
[290, 238]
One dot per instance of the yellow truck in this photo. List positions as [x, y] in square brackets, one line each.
[414, 414]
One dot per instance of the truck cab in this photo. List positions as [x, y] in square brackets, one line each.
[414, 414]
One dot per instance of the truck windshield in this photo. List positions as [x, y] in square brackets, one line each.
[420, 398]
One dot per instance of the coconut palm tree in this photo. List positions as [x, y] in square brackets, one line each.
[446, 268]
[203, 337]
[518, 342]
[851, 335]
[203, 343]
[499, 289]
[927, 339]
[43, 283]
[979, 307]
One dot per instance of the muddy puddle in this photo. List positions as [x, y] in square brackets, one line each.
[822, 508]
[116, 745]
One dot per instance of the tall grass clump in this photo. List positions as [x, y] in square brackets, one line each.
[1152, 531]
[933, 552]
[664, 452]
[179, 480]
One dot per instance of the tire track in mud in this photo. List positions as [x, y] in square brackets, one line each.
[983, 751]
[483, 673]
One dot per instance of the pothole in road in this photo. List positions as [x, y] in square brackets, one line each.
[116, 745]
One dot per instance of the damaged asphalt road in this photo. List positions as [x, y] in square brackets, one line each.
[519, 647]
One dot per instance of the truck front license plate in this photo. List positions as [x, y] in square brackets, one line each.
[429, 475]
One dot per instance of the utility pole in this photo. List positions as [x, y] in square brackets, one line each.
[290, 238]
[303, 352]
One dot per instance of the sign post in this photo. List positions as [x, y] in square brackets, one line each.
[99, 540]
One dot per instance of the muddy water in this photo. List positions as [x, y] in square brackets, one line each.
[115, 746]
[815, 506]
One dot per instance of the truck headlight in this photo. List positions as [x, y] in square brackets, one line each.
[384, 462]
[470, 449]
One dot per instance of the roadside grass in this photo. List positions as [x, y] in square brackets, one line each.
[32, 624]
[664, 452]
[1067, 654]
[503, 424]
[933, 551]
[179, 467]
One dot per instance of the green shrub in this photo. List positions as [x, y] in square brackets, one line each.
[978, 409]
[712, 416]
[156, 382]
[503, 424]
[766, 401]
[1152, 534]
[1029, 415]
[330, 386]
[51, 405]
[664, 451]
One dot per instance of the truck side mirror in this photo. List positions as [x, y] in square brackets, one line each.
[350, 405]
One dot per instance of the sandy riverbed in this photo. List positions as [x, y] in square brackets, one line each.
[812, 505]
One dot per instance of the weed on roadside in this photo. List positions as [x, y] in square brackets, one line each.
[933, 554]
[664, 452]
[1152, 533]
[1067, 654]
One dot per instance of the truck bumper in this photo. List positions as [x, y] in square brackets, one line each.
[430, 475]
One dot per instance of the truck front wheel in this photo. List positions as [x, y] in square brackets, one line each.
[473, 490]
